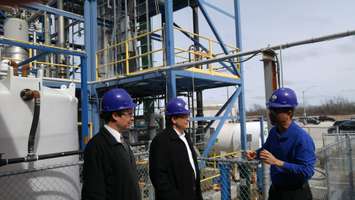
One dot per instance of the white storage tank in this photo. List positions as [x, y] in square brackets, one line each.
[17, 29]
[228, 139]
[56, 132]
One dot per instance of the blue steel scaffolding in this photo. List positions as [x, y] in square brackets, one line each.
[173, 75]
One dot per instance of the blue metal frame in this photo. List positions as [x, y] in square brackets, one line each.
[84, 103]
[169, 47]
[49, 49]
[225, 181]
[213, 138]
[32, 59]
[202, 47]
[49, 9]
[217, 9]
[206, 77]
[214, 30]
[90, 23]
[241, 101]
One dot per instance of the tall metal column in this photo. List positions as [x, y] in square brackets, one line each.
[241, 100]
[245, 187]
[199, 94]
[169, 47]
[90, 23]
[270, 85]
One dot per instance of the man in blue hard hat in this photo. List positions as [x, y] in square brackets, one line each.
[109, 170]
[173, 167]
[288, 149]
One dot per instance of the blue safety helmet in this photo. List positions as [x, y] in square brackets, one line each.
[117, 99]
[282, 98]
[177, 106]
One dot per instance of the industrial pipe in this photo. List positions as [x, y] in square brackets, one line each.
[28, 95]
[36, 158]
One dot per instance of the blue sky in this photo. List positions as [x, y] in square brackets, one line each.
[322, 71]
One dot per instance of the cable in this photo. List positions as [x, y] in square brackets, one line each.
[250, 57]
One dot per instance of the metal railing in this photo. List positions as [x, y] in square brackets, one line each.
[127, 57]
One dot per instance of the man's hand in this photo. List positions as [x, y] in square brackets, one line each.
[250, 155]
[270, 159]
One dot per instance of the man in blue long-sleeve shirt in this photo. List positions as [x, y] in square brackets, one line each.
[288, 149]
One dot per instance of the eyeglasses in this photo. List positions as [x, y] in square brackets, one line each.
[129, 114]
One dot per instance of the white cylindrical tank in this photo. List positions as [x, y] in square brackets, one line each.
[228, 139]
[17, 29]
[56, 132]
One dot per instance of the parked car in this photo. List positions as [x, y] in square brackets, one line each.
[323, 118]
[343, 126]
[309, 120]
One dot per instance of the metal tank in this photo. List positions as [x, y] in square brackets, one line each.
[17, 29]
[56, 132]
[228, 139]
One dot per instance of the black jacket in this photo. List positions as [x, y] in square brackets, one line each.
[170, 169]
[109, 171]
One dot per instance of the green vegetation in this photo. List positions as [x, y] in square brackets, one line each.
[335, 106]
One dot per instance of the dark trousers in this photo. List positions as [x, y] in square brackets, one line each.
[301, 193]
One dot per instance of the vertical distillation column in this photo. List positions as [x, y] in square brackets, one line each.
[62, 72]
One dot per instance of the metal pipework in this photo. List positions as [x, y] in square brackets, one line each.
[240, 54]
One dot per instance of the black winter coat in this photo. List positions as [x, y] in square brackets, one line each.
[170, 169]
[109, 171]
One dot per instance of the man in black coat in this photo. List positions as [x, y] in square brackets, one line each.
[173, 167]
[110, 171]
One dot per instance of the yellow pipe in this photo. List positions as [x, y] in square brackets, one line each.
[210, 178]
[210, 53]
[30, 55]
[127, 57]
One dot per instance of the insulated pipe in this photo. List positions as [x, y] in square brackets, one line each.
[36, 158]
[60, 25]
[28, 95]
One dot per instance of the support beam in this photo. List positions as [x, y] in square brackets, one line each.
[25, 62]
[40, 47]
[241, 100]
[226, 113]
[214, 30]
[55, 11]
[169, 47]
[84, 104]
[90, 14]
[217, 9]
[198, 44]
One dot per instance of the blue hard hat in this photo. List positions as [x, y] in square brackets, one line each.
[117, 99]
[177, 106]
[283, 98]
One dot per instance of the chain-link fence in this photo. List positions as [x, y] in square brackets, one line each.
[49, 180]
[54, 181]
[337, 160]
[231, 178]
